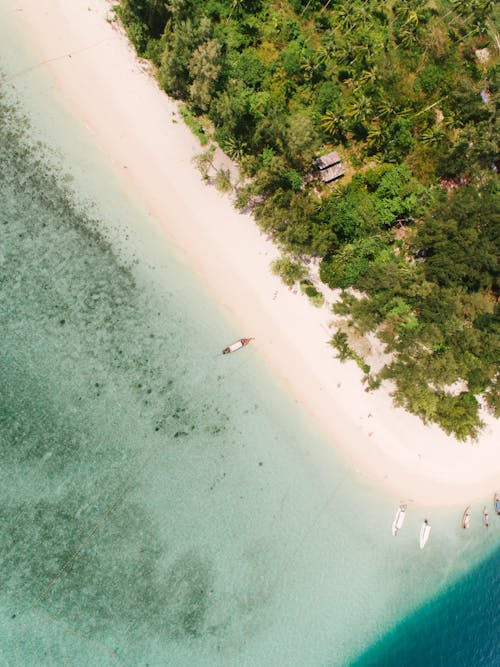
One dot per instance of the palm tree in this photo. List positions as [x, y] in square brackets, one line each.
[308, 67]
[360, 108]
[432, 135]
[369, 75]
[413, 18]
[407, 36]
[448, 120]
[332, 123]
[385, 108]
[233, 7]
[344, 53]
[346, 17]
[376, 136]
[235, 149]
[325, 53]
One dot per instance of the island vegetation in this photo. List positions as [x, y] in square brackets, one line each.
[406, 92]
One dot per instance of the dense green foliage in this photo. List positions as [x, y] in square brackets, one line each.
[406, 91]
[288, 270]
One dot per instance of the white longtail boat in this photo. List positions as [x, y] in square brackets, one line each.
[496, 503]
[397, 524]
[486, 517]
[425, 531]
[466, 518]
[237, 345]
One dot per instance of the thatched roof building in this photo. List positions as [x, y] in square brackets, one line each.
[330, 167]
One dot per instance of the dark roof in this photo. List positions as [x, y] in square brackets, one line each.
[328, 160]
[331, 173]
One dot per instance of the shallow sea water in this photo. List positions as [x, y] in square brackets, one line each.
[161, 504]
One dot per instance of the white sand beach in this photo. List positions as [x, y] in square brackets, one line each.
[140, 130]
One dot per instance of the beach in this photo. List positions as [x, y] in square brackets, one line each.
[117, 101]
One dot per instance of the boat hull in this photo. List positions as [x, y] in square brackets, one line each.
[496, 503]
[237, 345]
[424, 534]
[397, 524]
[466, 518]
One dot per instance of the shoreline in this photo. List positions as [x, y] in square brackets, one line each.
[141, 132]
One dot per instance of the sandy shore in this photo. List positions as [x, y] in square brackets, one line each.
[112, 95]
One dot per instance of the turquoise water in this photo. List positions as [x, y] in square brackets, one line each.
[162, 504]
[460, 629]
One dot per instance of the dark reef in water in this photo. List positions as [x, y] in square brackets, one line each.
[79, 336]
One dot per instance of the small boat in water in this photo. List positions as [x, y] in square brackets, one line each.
[486, 517]
[425, 531]
[496, 503]
[237, 345]
[397, 524]
[466, 518]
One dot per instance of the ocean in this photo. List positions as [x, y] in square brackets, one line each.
[458, 629]
[162, 504]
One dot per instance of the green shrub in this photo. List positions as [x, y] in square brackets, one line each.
[204, 161]
[194, 125]
[223, 180]
[339, 342]
[430, 78]
[294, 179]
[288, 270]
[314, 295]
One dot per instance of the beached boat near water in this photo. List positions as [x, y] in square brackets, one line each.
[237, 345]
[425, 531]
[466, 518]
[496, 503]
[397, 524]
[486, 517]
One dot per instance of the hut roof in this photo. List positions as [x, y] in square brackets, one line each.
[328, 160]
[331, 173]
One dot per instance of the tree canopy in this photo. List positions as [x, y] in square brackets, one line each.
[407, 93]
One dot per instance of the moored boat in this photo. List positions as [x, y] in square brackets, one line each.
[425, 531]
[496, 503]
[397, 524]
[466, 517]
[236, 345]
[486, 517]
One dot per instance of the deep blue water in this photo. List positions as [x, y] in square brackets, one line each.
[458, 629]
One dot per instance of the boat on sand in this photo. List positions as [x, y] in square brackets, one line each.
[397, 524]
[236, 345]
[466, 517]
[425, 531]
[486, 517]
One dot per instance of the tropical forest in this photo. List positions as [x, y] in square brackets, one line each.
[404, 94]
